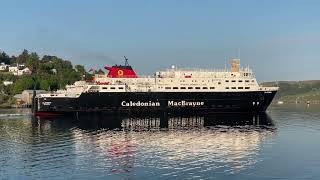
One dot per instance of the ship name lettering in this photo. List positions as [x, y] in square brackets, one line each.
[140, 103]
[185, 103]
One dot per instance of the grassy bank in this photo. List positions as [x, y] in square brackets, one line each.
[297, 91]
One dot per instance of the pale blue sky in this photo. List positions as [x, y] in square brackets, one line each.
[279, 39]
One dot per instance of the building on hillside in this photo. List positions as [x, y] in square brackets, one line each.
[6, 83]
[26, 95]
[4, 67]
[20, 70]
[23, 71]
[13, 69]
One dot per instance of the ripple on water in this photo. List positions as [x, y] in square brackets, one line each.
[186, 148]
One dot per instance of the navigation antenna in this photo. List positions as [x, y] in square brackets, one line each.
[126, 61]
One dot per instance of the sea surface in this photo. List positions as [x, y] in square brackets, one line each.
[284, 143]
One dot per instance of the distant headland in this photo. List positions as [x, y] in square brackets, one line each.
[297, 91]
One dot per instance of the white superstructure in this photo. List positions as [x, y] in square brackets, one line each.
[173, 80]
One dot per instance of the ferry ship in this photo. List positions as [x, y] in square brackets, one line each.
[172, 90]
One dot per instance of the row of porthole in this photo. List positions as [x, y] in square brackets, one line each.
[239, 81]
[112, 88]
[238, 88]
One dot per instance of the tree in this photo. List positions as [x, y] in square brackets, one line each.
[4, 58]
[32, 62]
[80, 69]
[44, 84]
[25, 82]
[22, 58]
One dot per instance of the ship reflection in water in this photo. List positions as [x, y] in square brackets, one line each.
[165, 145]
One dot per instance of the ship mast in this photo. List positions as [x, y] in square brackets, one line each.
[126, 61]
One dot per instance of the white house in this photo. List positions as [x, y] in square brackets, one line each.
[23, 71]
[3, 67]
[6, 83]
[13, 69]
[18, 71]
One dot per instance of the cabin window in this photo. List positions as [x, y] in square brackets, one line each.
[120, 87]
[252, 81]
[190, 87]
[219, 82]
[227, 87]
[94, 87]
[167, 87]
[233, 88]
[197, 87]
[247, 81]
[204, 87]
[104, 87]
[112, 88]
[159, 80]
[240, 87]
[175, 88]
[233, 81]
[211, 87]
[227, 80]
[247, 87]
[240, 80]
[182, 87]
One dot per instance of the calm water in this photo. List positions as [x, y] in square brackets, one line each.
[284, 144]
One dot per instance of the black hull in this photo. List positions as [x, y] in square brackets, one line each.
[147, 102]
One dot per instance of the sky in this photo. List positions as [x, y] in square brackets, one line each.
[280, 40]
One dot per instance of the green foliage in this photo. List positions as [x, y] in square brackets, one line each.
[32, 62]
[22, 58]
[48, 73]
[44, 84]
[25, 82]
[4, 58]
[290, 91]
